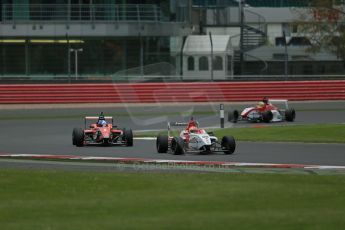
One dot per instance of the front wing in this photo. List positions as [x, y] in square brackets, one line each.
[114, 141]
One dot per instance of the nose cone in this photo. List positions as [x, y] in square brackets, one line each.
[206, 139]
[105, 132]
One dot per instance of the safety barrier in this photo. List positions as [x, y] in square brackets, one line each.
[171, 92]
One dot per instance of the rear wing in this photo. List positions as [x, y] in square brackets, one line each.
[176, 124]
[96, 118]
[283, 101]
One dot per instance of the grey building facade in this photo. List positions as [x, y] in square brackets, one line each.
[37, 36]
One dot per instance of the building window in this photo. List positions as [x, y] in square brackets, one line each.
[190, 63]
[278, 56]
[321, 69]
[229, 63]
[299, 41]
[280, 41]
[203, 63]
[218, 63]
[307, 69]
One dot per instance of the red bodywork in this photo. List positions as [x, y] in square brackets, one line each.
[192, 127]
[106, 134]
[99, 134]
[266, 107]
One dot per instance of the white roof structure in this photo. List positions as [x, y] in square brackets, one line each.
[201, 45]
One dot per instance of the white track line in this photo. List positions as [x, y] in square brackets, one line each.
[145, 138]
[223, 164]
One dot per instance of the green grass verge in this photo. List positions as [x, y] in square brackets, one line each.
[321, 110]
[324, 133]
[90, 200]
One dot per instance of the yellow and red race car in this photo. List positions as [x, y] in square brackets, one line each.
[264, 111]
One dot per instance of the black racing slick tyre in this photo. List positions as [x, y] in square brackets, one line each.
[228, 144]
[73, 134]
[162, 143]
[233, 116]
[177, 146]
[290, 115]
[267, 116]
[128, 136]
[78, 137]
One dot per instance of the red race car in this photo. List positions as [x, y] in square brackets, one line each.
[101, 133]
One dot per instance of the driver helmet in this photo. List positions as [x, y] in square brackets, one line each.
[265, 100]
[261, 104]
[102, 123]
[193, 129]
[101, 120]
[101, 116]
[193, 122]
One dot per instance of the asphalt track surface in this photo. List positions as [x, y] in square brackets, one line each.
[48, 131]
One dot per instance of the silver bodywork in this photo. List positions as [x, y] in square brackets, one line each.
[198, 142]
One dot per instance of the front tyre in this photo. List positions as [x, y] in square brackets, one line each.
[228, 144]
[128, 136]
[78, 137]
[162, 143]
[290, 115]
[177, 146]
[267, 116]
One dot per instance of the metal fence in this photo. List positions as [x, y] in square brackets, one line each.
[92, 12]
[157, 71]
[133, 75]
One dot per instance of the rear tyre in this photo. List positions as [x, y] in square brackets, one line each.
[128, 136]
[233, 116]
[73, 134]
[78, 137]
[177, 146]
[290, 115]
[228, 144]
[162, 143]
[267, 116]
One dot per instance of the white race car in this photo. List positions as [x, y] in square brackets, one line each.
[194, 140]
